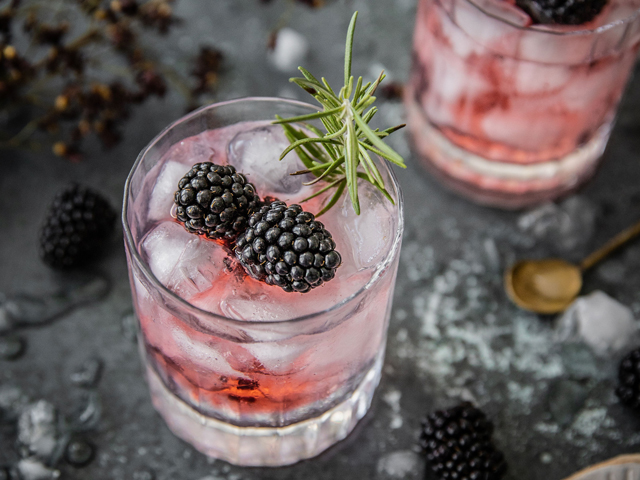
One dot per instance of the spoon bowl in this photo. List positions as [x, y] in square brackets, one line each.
[544, 286]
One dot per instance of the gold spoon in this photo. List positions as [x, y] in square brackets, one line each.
[550, 285]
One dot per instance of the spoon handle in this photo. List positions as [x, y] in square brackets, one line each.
[609, 247]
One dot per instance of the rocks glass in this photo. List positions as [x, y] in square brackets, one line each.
[243, 371]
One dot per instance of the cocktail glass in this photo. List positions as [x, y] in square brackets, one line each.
[244, 371]
[511, 114]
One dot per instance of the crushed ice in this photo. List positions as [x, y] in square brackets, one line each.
[601, 322]
[403, 464]
[289, 50]
[257, 151]
[74, 290]
[564, 225]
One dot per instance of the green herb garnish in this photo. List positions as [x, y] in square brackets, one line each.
[335, 155]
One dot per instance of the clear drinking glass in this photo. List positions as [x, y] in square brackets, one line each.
[511, 114]
[292, 376]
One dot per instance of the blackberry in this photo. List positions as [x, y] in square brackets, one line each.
[76, 228]
[287, 247]
[628, 390]
[215, 201]
[563, 12]
[457, 444]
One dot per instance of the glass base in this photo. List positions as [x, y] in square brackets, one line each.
[260, 446]
[500, 184]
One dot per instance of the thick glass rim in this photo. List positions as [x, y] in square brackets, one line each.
[545, 29]
[134, 254]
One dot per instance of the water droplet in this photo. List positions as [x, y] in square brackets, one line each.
[12, 347]
[88, 374]
[79, 453]
[88, 413]
[130, 326]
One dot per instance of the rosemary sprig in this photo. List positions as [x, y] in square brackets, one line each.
[341, 154]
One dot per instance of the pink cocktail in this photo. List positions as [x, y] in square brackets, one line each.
[509, 113]
[245, 371]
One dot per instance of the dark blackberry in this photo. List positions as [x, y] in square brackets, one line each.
[628, 390]
[215, 201]
[287, 247]
[77, 226]
[457, 444]
[562, 12]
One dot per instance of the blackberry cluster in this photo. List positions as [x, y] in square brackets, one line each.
[77, 226]
[215, 201]
[628, 390]
[287, 247]
[563, 12]
[457, 444]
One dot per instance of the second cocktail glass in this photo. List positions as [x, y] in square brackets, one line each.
[511, 114]
[245, 371]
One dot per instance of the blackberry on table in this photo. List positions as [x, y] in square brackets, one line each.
[287, 247]
[628, 390]
[563, 12]
[457, 444]
[77, 226]
[215, 201]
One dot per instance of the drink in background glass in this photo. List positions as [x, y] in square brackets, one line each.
[511, 114]
[244, 371]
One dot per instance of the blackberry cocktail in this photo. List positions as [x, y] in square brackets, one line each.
[513, 104]
[262, 327]
[244, 370]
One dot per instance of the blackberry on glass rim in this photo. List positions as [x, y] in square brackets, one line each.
[287, 247]
[215, 201]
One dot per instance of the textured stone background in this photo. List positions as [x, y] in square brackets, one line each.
[453, 333]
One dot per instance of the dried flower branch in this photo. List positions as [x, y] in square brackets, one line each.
[55, 73]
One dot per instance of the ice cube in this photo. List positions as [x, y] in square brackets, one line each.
[289, 50]
[32, 309]
[566, 225]
[192, 150]
[403, 464]
[201, 150]
[280, 358]
[200, 263]
[266, 306]
[601, 322]
[32, 469]
[38, 429]
[256, 152]
[205, 356]
[505, 11]
[491, 32]
[162, 248]
[164, 189]
[183, 262]
[533, 78]
[368, 235]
